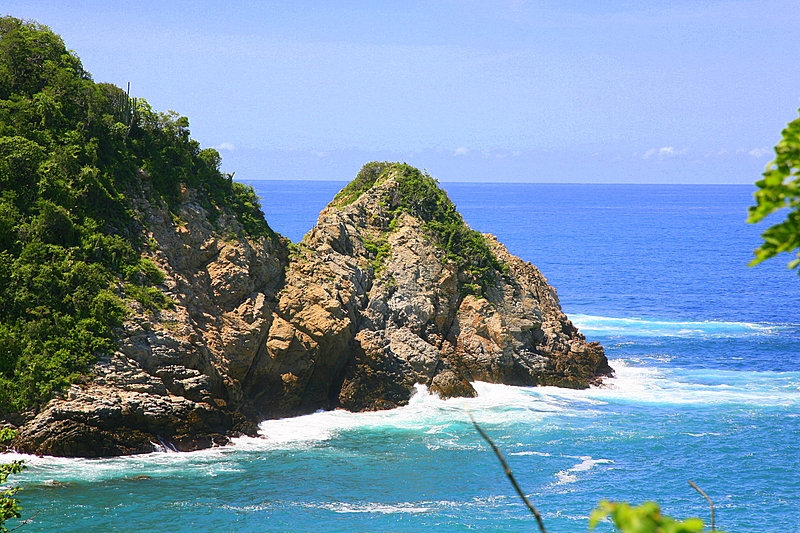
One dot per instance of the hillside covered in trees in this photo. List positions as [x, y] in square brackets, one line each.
[70, 244]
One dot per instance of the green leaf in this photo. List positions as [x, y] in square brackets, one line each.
[780, 189]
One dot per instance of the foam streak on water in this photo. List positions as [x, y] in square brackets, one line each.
[701, 388]
[600, 326]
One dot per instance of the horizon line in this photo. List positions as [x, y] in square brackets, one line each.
[522, 182]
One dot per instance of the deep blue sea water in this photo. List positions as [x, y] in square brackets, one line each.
[707, 388]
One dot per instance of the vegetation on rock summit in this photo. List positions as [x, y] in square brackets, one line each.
[419, 194]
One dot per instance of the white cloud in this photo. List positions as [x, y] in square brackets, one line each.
[226, 146]
[665, 151]
[461, 151]
[759, 152]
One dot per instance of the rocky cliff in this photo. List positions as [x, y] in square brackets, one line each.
[388, 290]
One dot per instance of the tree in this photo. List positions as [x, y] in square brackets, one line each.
[778, 189]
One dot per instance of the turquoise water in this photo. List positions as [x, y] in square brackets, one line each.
[707, 388]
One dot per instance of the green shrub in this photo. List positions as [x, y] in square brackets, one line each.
[6, 436]
[378, 250]
[364, 180]
[151, 298]
[9, 506]
[421, 196]
[645, 518]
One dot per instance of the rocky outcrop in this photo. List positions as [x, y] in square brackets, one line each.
[411, 321]
[177, 378]
[369, 304]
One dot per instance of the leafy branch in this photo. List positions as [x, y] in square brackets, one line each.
[779, 189]
[9, 506]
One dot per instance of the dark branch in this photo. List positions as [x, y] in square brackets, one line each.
[26, 521]
[509, 474]
[710, 503]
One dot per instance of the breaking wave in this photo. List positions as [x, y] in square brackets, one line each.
[600, 326]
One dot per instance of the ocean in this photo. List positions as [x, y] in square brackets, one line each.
[707, 389]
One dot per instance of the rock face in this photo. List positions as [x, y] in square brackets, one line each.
[369, 304]
[411, 322]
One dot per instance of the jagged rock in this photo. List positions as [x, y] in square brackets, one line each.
[416, 325]
[448, 384]
[369, 304]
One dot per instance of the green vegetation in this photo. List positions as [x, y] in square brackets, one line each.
[364, 180]
[778, 189]
[379, 250]
[6, 436]
[9, 505]
[645, 518]
[71, 154]
[421, 196]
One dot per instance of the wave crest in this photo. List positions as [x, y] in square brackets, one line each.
[601, 326]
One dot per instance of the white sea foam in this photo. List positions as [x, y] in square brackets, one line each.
[650, 385]
[443, 423]
[62, 470]
[406, 507]
[587, 463]
[540, 454]
[380, 508]
[601, 326]
[425, 412]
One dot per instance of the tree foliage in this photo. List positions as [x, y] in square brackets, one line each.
[9, 505]
[72, 153]
[645, 518]
[780, 189]
[420, 194]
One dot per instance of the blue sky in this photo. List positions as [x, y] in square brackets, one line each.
[549, 91]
